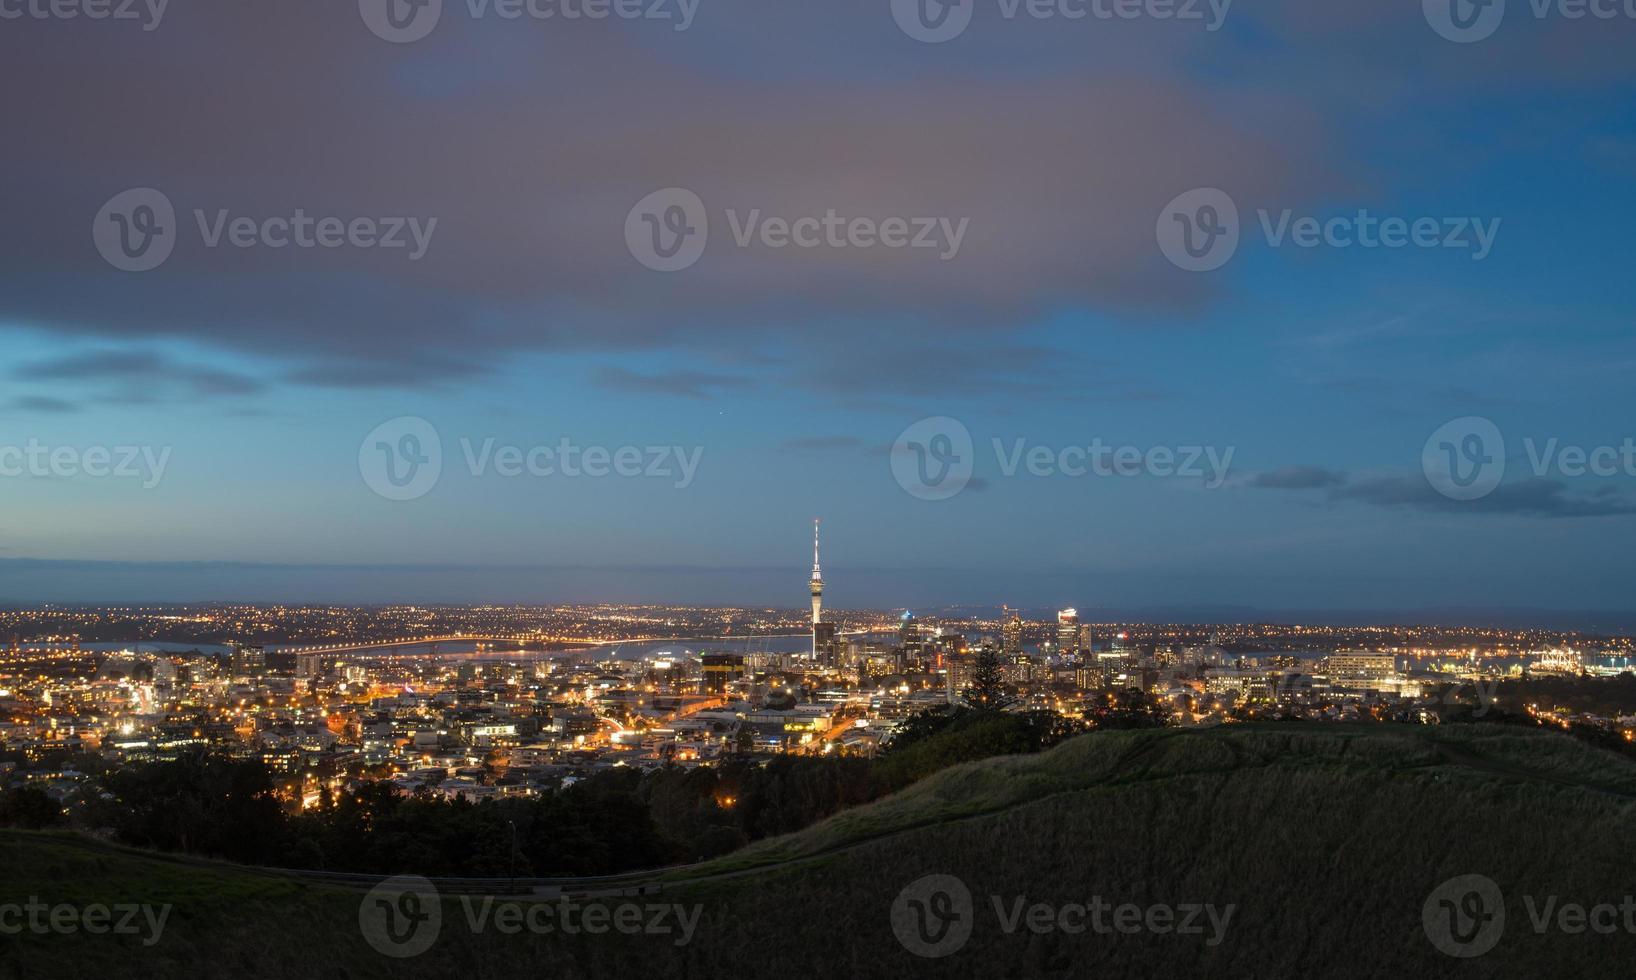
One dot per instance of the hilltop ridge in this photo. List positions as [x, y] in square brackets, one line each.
[1292, 848]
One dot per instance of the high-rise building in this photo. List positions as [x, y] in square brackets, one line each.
[910, 636]
[962, 670]
[1012, 631]
[248, 662]
[719, 671]
[823, 642]
[947, 643]
[1068, 631]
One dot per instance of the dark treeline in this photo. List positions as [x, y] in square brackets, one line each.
[613, 821]
[1609, 696]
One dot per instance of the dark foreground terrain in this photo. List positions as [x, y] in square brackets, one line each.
[1242, 851]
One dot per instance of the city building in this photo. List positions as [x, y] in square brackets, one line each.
[824, 642]
[248, 662]
[1012, 632]
[1362, 666]
[1068, 634]
[910, 635]
[720, 670]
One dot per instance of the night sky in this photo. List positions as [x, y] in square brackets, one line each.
[791, 375]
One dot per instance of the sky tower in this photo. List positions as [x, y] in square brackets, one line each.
[817, 579]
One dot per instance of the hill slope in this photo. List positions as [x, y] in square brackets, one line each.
[1240, 851]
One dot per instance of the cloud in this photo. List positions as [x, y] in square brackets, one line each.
[681, 384]
[1059, 143]
[138, 370]
[1059, 182]
[1533, 497]
[44, 405]
[399, 373]
[1298, 478]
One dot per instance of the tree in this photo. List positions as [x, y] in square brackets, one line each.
[1129, 708]
[29, 807]
[987, 690]
[932, 742]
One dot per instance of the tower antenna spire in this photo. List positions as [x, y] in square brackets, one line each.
[816, 588]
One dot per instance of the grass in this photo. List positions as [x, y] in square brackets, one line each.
[1327, 839]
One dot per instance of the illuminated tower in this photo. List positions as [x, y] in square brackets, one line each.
[817, 579]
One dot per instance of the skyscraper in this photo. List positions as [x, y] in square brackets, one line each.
[248, 661]
[1012, 632]
[910, 636]
[1068, 631]
[823, 641]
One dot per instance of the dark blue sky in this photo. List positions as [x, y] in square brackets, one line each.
[785, 375]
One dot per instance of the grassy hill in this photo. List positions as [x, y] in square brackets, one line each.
[1327, 843]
